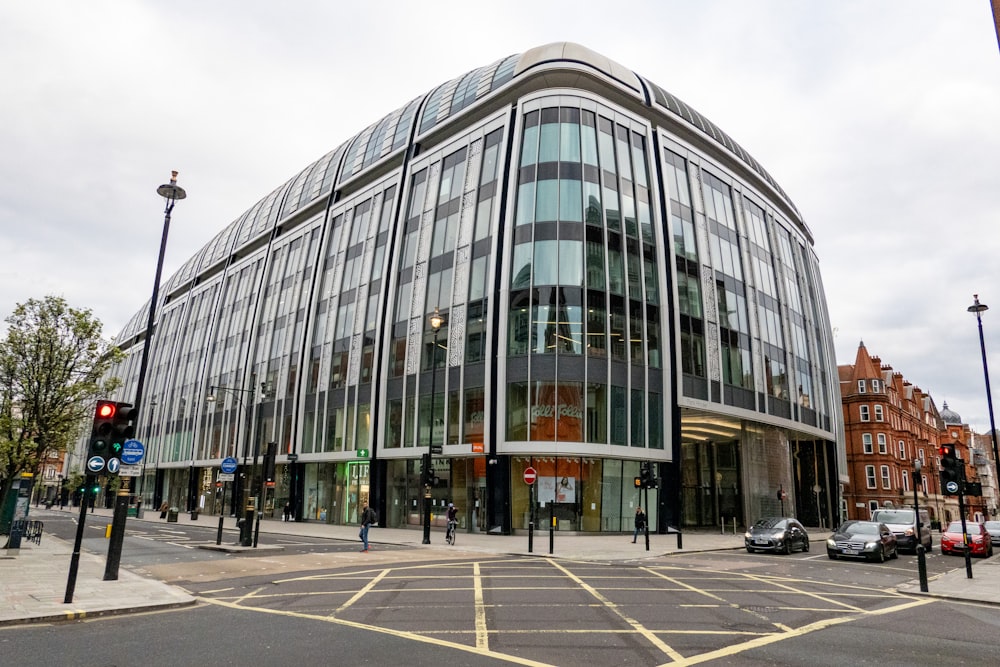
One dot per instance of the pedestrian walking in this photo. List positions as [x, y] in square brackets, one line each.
[640, 523]
[163, 509]
[286, 514]
[368, 517]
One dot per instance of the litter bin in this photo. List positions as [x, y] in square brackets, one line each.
[194, 515]
[172, 515]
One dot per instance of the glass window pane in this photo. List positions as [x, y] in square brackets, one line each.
[529, 147]
[619, 416]
[569, 144]
[570, 264]
[547, 201]
[525, 204]
[638, 419]
[570, 201]
[592, 195]
[546, 263]
[521, 266]
[597, 413]
[548, 143]
[569, 412]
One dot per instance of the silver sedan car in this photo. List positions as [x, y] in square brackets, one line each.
[993, 528]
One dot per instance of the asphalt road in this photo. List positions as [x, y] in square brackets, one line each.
[320, 600]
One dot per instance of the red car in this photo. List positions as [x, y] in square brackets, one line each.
[979, 539]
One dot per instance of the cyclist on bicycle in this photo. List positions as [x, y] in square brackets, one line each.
[452, 523]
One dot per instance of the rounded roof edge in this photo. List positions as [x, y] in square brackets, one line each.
[573, 52]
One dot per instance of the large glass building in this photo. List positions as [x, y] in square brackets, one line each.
[618, 282]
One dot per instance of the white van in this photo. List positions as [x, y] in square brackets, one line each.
[903, 524]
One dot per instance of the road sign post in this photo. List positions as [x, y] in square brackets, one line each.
[228, 474]
[530, 475]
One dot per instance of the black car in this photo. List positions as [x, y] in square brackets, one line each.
[776, 533]
[862, 539]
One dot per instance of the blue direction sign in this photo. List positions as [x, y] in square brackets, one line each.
[95, 464]
[229, 465]
[113, 466]
[132, 452]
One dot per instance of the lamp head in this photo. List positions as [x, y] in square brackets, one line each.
[171, 191]
[977, 307]
[436, 320]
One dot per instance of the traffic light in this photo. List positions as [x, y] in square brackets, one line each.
[100, 434]
[272, 452]
[113, 425]
[646, 478]
[122, 428]
[951, 470]
[427, 471]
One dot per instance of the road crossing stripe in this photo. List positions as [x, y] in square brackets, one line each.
[735, 649]
[482, 633]
[360, 594]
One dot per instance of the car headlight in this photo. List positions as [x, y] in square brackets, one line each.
[871, 545]
[830, 542]
[778, 536]
[909, 531]
[747, 535]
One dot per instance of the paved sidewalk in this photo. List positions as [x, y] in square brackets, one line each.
[33, 583]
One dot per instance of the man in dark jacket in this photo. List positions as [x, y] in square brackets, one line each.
[640, 523]
[367, 519]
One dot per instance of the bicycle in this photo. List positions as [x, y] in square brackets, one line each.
[449, 535]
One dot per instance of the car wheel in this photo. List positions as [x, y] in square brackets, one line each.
[831, 555]
[788, 547]
[751, 550]
[895, 554]
[880, 558]
[805, 546]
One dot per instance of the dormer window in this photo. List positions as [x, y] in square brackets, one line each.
[861, 387]
[876, 386]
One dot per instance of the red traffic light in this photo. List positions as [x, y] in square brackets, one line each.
[946, 450]
[105, 410]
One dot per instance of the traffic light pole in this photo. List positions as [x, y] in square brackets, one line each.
[965, 532]
[117, 534]
[645, 500]
[74, 561]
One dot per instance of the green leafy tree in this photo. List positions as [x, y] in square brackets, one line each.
[53, 364]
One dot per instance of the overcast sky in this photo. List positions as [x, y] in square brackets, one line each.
[880, 119]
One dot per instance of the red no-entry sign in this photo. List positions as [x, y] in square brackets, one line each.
[530, 476]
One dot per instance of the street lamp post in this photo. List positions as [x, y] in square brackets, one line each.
[246, 527]
[978, 309]
[921, 557]
[436, 321]
[171, 193]
[145, 459]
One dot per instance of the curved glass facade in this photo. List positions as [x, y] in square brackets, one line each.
[619, 285]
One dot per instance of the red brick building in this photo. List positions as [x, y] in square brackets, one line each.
[889, 424]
